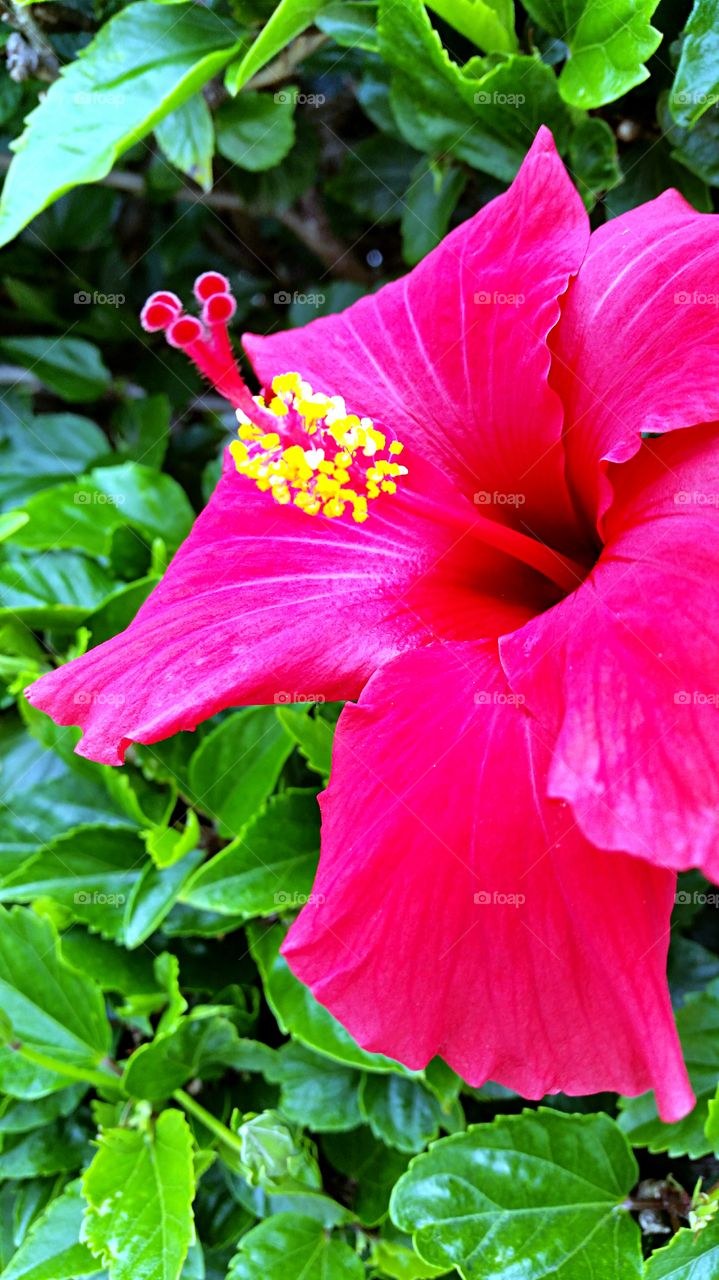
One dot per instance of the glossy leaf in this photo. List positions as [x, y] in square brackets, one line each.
[540, 1185]
[265, 1250]
[608, 45]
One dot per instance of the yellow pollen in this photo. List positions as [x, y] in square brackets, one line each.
[345, 464]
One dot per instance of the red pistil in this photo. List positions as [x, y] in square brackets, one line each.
[205, 340]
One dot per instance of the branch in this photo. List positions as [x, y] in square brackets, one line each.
[27, 51]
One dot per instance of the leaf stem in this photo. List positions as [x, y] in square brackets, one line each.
[100, 1079]
[208, 1120]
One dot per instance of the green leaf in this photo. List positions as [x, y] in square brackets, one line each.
[350, 23]
[143, 426]
[87, 512]
[698, 1027]
[270, 867]
[484, 120]
[647, 167]
[689, 1255]
[142, 64]
[287, 21]
[400, 1112]
[695, 148]
[70, 367]
[266, 1249]
[43, 796]
[52, 1250]
[316, 1092]
[608, 45]
[39, 451]
[236, 766]
[314, 734]
[139, 1190]
[541, 1185]
[187, 139]
[593, 159]
[696, 83]
[489, 23]
[153, 896]
[51, 1007]
[399, 1263]
[60, 1147]
[257, 130]
[168, 845]
[372, 1168]
[59, 589]
[299, 1014]
[205, 1047]
[373, 178]
[91, 871]
[429, 204]
[20, 1116]
[127, 972]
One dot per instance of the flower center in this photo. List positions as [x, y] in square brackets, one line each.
[321, 458]
[303, 447]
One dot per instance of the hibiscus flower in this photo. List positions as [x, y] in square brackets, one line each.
[464, 506]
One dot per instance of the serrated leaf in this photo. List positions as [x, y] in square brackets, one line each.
[139, 1190]
[489, 23]
[400, 1112]
[60, 1147]
[187, 139]
[265, 1250]
[269, 868]
[400, 1263]
[540, 1189]
[19, 1116]
[481, 119]
[86, 513]
[153, 897]
[142, 64]
[51, 1007]
[698, 1027]
[287, 21]
[314, 734]
[696, 83]
[609, 41]
[167, 845]
[52, 1249]
[429, 203]
[688, 1256]
[43, 450]
[257, 130]
[91, 871]
[316, 1092]
[236, 766]
[350, 23]
[71, 367]
[59, 590]
[372, 1167]
[204, 1047]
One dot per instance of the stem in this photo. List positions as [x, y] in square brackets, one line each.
[85, 1074]
[210, 1122]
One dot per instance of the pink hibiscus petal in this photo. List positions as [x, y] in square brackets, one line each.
[264, 603]
[454, 356]
[637, 344]
[625, 672]
[457, 911]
